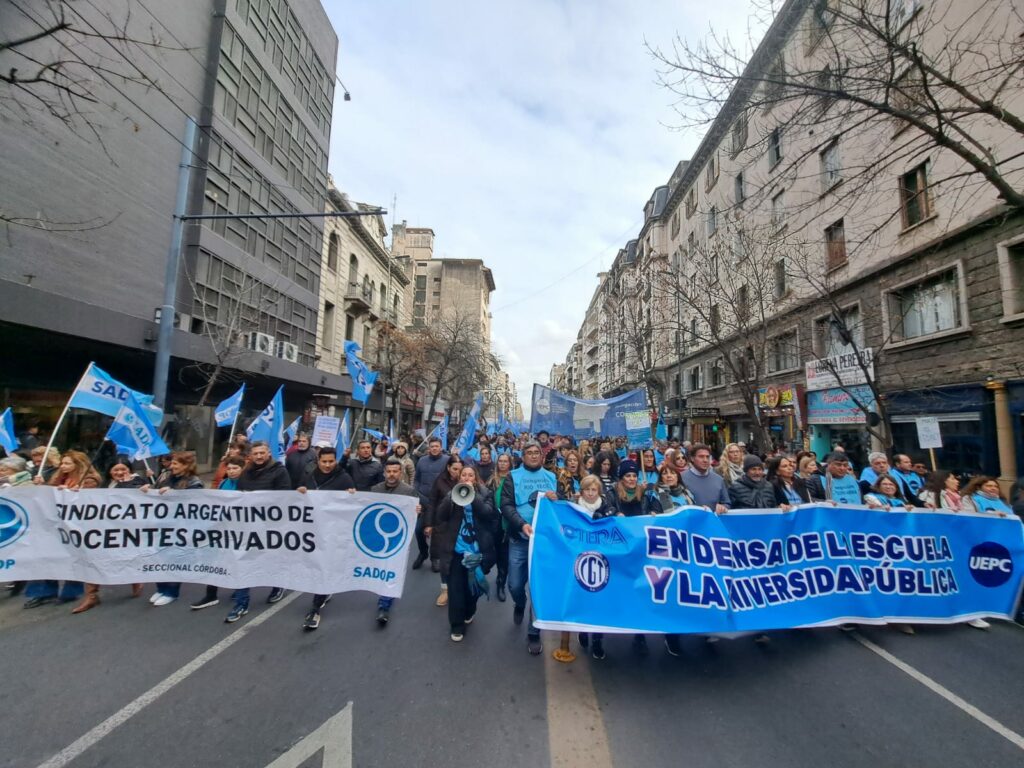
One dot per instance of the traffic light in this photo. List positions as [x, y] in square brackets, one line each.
[714, 427]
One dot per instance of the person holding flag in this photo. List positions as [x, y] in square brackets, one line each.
[8, 441]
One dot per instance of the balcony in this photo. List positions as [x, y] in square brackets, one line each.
[357, 299]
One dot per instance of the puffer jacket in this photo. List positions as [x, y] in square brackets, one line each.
[748, 494]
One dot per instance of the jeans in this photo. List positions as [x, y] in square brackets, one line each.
[518, 575]
[50, 588]
[169, 588]
[461, 600]
[241, 597]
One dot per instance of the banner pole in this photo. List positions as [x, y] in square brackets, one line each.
[562, 653]
[358, 426]
[931, 453]
[56, 428]
[234, 423]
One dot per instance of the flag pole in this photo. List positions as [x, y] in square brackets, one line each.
[234, 423]
[56, 428]
[357, 427]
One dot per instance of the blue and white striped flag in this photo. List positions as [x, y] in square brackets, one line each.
[344, 432]
[7, 437]
[375, 434]
[134, 434]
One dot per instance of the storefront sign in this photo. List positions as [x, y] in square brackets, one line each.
[838, 406]
[822, 374]
[776, 397]
[699, 413]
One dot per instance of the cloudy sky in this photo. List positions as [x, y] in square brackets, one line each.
[527, 134]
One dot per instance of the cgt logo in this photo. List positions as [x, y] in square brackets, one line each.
[380, 530]
[990, 564]
[592, 571]
[13, 521]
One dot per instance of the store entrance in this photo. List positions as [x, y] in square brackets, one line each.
[856, 442]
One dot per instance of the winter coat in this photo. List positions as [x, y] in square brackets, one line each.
[798, 485]
[408, 467]
[656, 504]
[298, 463]
[752, 494]
[19, 478]
[272, 476]
[428, 469]
[448, 521]
[402, 489]
[442, 489]
[315, 480]
[365, 473]
[627, 508]
[187, 483]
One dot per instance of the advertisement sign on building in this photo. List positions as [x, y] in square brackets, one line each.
[822, 374]
[838, 406]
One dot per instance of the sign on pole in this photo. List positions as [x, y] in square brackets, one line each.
[325, 430]
[928, 434]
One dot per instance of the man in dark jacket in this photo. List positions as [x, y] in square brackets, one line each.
[365, 470]
[301, 460]
[327, 475]
[264, 473]
[752, 491]
[428, 467]
[393, 484]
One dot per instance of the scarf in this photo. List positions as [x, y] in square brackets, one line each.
[466, 544]
[951, 500]
[591, 507]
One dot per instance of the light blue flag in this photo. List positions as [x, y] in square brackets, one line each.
[375, 434]
[7, 438]
[363, 378]
[344, 432]
[99, 391]
[661, 432]
[441, 432]
[292, 432]
[502, 425]
[392, 437]
[269, 425]
[227, 411]
[134, 434]
[468, 435]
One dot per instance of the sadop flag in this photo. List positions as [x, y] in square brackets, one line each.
[375, 434]
[268, 426]
[227, 410]
[134, 434]
[344, 431]
[99, 391]
[7, 439]
[441, 432]
[468, 435]
[363, 378]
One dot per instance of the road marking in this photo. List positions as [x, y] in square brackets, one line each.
[1012, 736]
[576, 732]
[91, 737]
[334, 737]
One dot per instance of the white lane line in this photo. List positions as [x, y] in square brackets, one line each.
[334, 737]
[989, 722]
[576, 732]
[91, 737]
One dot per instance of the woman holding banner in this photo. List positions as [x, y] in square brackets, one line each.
[628, 499]
[181, 475]
[569, 477]
[669, 492]
[790, 490]
[730, 464]
[593, 500]
[885, 494]
[50, 465]
[983, 495]
[465, 548]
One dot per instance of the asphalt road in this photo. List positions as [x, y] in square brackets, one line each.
[129, 685]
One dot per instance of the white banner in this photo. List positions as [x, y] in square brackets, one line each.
[321, 541]
[840, 370]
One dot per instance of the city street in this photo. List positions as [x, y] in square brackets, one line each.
[132, 685]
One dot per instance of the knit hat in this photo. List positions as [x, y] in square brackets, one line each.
[750, 461]
[628, 466]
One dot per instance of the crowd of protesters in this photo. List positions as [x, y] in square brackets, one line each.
[464, 540]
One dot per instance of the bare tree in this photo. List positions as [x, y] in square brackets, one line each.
[403, 362]
[457, 358]
[638, 330]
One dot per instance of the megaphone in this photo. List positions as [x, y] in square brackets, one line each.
[463, 494]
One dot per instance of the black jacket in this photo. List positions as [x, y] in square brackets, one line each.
[402, 489]
[298, 464]
[190, 483]
[272, 476]
[655, 505]
[748, 494]
[798, 485]
[365, 473]
[448, 521]
[315, 480]
[631, 508]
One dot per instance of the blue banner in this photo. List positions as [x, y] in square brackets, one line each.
[753, 570]
[558, 413]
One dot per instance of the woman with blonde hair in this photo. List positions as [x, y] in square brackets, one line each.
[730, 464]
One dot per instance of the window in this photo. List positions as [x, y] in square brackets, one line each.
[901, 11]
[421, 282]
[739, 134]
[332, 252]
[779, 289]
[826, 85]
[830, 174]
[715, 320]
[742, 304]
[353, 271]
[694, 380]
[716, 373]
[691, 202]
[835, 245]
[711, 171]
[778, 210]
[774, 147]
[328, 338]
[821, 18]
[783, 353]
[775, 81]
[350, 324]
[1011, 275]
[693, 331]
[712, 220]
[928, 307]
[737, 247]
[691, 244]
[839, 334]
[915, 205]
[740, 188]
[675, 223]
[909, 94]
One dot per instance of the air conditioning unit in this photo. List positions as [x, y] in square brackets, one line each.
[260, 342]
[288, 351]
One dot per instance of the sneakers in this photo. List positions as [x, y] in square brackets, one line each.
[275, 594]
[762, 639]
[204, 602]
[978, 624]
[469, 620]
[236, 613]
[35, 602]
[456, 637]
[154, 596]
[640, 645]
[711, 639]
[500, 593]
[162, 599]
[419, 561]
[906, 629]
[312, 621]
[442, 599]
[847, 627]
[672, 645]
[533, 645]
[517, 614]
[382, 617]
[597, 649]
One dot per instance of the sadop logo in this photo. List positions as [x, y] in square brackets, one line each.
[13, 522]
[592, 571]
[380, 530]
[990, 564]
